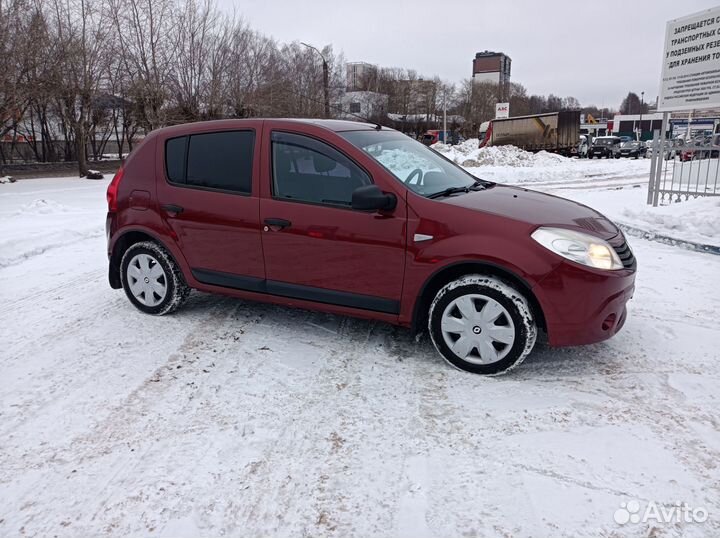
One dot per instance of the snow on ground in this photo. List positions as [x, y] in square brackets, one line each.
[508, 164]
[696, 220]
[232, 418]
[594, 182]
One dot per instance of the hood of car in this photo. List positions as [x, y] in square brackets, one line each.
[536, 209]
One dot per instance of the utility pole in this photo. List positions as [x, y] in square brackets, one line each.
[445, 133]
[326, 78]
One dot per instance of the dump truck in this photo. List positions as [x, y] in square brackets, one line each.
[557, 132]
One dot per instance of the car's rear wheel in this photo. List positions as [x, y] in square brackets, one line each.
[152, 280]
[482, 325]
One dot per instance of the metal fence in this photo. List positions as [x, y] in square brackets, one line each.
[680, 170]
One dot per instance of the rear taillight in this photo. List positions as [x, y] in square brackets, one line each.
[113, 190]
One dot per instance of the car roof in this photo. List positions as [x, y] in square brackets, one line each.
[332, 125]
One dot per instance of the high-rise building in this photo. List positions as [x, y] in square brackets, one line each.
[491, 67]
[361, 76]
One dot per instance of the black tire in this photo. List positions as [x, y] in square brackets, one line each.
[515, 305]
[177, 290]
[590, 156]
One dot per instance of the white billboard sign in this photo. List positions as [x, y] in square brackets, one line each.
[502, 110]
[691, 62]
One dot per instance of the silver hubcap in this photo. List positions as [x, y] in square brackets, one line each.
[478, 329]
[146, 279]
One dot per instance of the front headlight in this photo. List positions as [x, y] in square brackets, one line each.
[578, 247]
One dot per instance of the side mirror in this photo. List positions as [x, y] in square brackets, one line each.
[370, 197]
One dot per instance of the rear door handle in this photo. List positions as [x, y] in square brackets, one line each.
[276, 223]
[172, 208]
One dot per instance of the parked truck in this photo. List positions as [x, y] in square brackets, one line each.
[557, 132]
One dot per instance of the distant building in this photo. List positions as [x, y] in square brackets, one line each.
[491, 67]
[360, 76]
[370, 105]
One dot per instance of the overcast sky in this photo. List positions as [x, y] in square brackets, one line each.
[594, 50]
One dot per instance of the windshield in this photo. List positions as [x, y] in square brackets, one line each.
[420, 168]
[605, 141]
[630, 145]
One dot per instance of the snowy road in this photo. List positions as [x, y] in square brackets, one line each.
[231, 418]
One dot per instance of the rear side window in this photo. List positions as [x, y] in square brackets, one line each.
[175, 149]
[220, 161]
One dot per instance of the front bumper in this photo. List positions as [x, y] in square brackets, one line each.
[584, 306]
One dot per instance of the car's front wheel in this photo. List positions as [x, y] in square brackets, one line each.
[482, 325]
[152, 280]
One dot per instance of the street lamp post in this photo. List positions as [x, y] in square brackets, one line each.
[326, 79]
[642, 105]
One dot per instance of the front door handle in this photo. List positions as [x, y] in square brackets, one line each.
[172, 208]
[276, 223]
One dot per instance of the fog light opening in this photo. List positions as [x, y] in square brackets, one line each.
[609, 322]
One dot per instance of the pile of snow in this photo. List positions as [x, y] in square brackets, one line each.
[697, 219]
[43, 207]
[469, 155]
[401, 162]
[7, 179]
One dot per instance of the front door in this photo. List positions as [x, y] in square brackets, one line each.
[209, 198]
[316, 246]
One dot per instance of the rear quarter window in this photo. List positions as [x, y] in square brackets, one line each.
[221, 160]
[175, 151]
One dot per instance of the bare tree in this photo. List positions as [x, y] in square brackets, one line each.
[80, 36]
[144, 31]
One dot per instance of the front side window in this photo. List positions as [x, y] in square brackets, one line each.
[221, 160]
[420, 168]
[307, 170]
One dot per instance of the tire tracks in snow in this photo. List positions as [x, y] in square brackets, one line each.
[127, 424]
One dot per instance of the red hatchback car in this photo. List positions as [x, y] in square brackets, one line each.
[359, 220]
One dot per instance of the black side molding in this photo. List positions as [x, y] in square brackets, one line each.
[294, 291]
[341, 298]
[230, 280]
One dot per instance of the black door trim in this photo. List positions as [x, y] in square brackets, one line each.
[295, 291]
[229, 280]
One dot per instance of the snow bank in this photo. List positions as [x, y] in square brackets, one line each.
[40, 215]
[697, 219]
[401, 162]
[468, 154]
[43, 207]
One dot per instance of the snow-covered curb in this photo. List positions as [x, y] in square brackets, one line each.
[673, 241]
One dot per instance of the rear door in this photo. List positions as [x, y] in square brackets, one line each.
[316, 246]
[208, 194]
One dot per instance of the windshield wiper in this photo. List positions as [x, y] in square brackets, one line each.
[478, 185]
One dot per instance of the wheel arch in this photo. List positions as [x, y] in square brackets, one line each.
[458, 269]
[124, 242]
